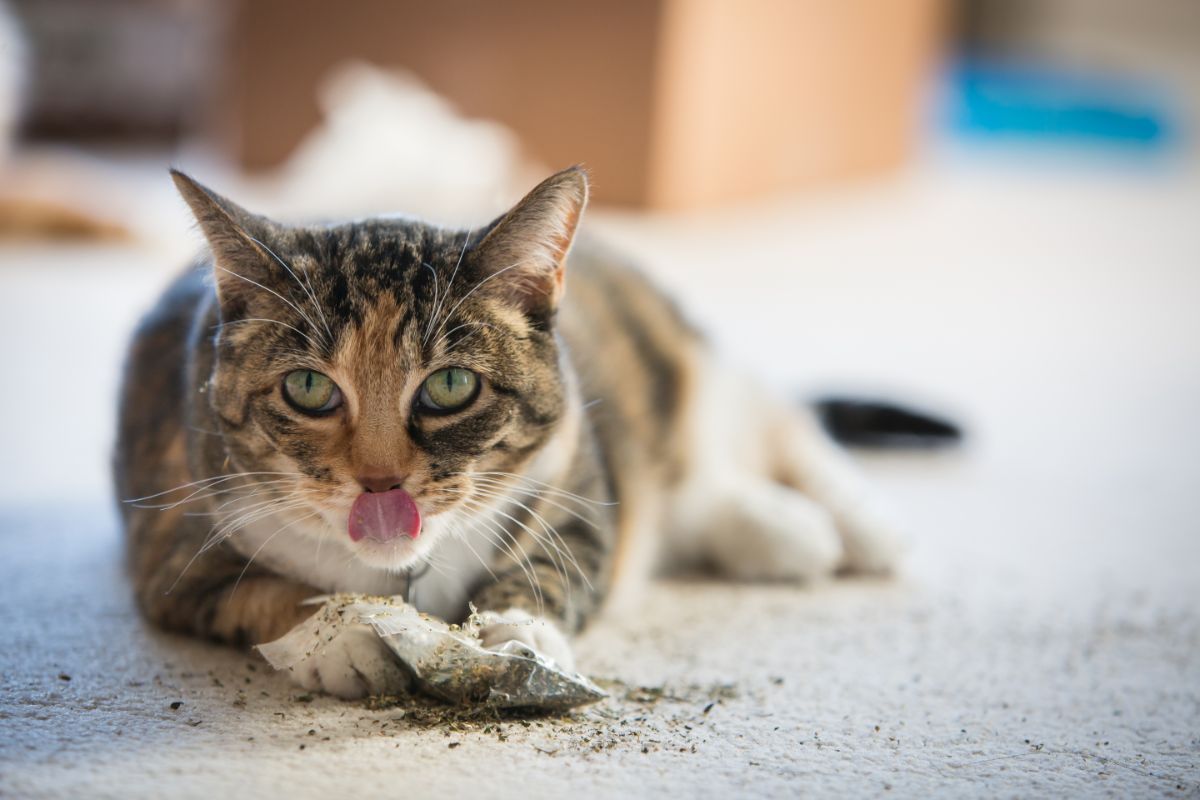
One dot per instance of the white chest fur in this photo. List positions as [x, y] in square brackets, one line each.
[315, 555]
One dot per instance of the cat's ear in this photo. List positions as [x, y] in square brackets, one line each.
[526, 249]
[235, 236]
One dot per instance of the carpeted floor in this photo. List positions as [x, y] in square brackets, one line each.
[1043, 638]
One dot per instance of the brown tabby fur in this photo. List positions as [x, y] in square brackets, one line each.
[597, 372]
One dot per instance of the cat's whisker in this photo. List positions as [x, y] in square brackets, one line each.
[254, 491]
[500, 537]
[542, 496]
[214, 478]
[506, 497]
[458, 532]
[317, 552]
[479, 285]
[478, 327]
[436, 302]
[204, 547]
[307, 287]
[269, 290]
[539, 540]
[259, 489]
[208, 483]
[307, 338]
[433, 563]
[552, 534]
[218, 540]
[250, 561]
[433, 318]
[244, 517]
[551, 543]
[541, 484]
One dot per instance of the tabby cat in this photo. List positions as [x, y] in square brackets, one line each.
[459, 417]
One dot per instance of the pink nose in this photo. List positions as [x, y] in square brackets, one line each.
[380, 483]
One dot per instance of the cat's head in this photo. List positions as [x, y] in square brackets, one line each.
[378, 376]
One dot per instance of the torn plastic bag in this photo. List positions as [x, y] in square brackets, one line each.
[446, 662]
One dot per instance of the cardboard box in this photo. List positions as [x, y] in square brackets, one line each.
[672, 104]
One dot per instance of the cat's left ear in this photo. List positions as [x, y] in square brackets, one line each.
[236, 237]
[526, 249]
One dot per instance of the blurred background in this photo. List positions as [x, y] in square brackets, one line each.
[989, 208]
[968, 203]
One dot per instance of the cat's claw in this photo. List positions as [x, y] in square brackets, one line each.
[355, 664]
[518, 625]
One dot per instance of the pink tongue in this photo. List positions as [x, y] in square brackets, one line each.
[384, 516]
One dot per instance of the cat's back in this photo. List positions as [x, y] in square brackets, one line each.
[635, 353]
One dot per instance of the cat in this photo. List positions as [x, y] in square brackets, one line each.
[487, 419]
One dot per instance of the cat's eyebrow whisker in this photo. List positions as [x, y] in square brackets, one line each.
[433, 318]
[479, 285]
[307, 338]
[436, 302]
[290, 304]
[307, 287]
[478, 326]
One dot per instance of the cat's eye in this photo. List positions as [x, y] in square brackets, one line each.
[448, 390]
[311, 392]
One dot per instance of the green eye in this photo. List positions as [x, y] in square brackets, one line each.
[311, 391]
[449, 390]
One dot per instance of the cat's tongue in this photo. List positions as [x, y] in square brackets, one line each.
[384, 516]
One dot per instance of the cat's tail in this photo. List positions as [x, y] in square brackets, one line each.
[876, 423]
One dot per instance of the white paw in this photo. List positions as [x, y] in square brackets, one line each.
[769, 532]
[873, 543]
[354, 664]
[516, 625]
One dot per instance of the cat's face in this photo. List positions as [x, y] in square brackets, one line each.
[370, 367]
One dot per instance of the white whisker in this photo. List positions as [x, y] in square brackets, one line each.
[307, 287]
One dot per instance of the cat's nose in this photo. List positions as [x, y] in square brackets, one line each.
[381, 483]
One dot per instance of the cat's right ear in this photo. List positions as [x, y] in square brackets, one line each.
[236, 237]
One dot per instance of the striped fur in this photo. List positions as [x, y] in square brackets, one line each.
[587, 440]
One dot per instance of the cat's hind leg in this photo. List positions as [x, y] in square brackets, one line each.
[806, 460]
[759, 530]
[767, 495]
[728, 512]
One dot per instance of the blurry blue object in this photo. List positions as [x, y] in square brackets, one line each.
[1041, 102]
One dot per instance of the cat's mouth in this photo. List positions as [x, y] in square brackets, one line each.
[388, 530]
[384, 517]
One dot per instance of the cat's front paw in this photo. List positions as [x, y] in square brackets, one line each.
[354, 664]
[520, 626]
